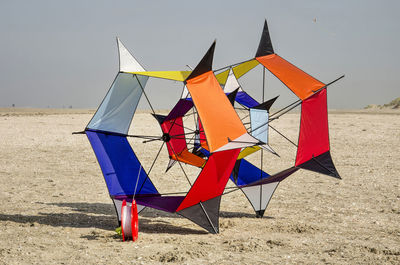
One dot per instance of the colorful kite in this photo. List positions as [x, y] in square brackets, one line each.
[219, 143]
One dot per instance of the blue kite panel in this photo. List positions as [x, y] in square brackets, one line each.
[242, 98]
[205, 152]
[246, 100]
[119, 165]
[248, 173]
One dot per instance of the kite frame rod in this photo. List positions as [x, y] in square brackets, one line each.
[244, 142]
[120, 134]
[182, 134]
[233, 189]
[297, 102]
[184, 127]
[154, 161]
[208, 218]
[245, 118]
[81, 132]
[272, 115]
[334, 81]
[281, 134]
[243, 109]
[152, 140]
[262, 150]
[143, 136]
[148, 101]
[233, 65]
[180, 165]
[186, 138]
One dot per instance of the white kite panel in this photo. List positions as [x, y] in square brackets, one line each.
[242, 141]
[231, 83]
[127, 63]
[260, 195]
[259, 124]
[118, 107]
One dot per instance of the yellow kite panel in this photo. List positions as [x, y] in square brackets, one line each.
[222, 77]
[248, 151]
[171, 75]
[243, 68]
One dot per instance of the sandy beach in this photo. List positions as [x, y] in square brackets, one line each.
[55, 208]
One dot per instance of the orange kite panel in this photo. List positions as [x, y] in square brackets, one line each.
[203, 140]
[301, 83]
[217, 115]
[188, 158]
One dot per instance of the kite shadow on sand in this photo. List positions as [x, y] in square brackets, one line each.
[101, 216]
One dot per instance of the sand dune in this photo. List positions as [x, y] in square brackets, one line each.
[55, 207]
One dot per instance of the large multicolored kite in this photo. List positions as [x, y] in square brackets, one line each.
[220, 142]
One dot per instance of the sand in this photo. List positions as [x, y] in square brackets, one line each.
[55, 208]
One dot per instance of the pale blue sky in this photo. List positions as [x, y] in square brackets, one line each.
[62, 53]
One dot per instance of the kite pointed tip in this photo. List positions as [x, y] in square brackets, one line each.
[232, 96]
[260, 213]
[205, 65]
[265, 45]
[159, 118]
[267, 104]
[338, 176]
[127, 63]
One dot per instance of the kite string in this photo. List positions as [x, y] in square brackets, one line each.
[137, 180]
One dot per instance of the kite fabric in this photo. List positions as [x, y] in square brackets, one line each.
[220, 142]
[259, 124]
[313, 149]
[127, 63]
[222, 126]
[120, 167]
[118, 107]
[301, 83]
[242, 97]
[177, 147]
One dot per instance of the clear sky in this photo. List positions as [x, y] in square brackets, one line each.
[62, 53]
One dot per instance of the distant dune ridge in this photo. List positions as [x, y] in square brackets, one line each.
[394, 104]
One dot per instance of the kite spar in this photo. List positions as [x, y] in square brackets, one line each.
[221, 140]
